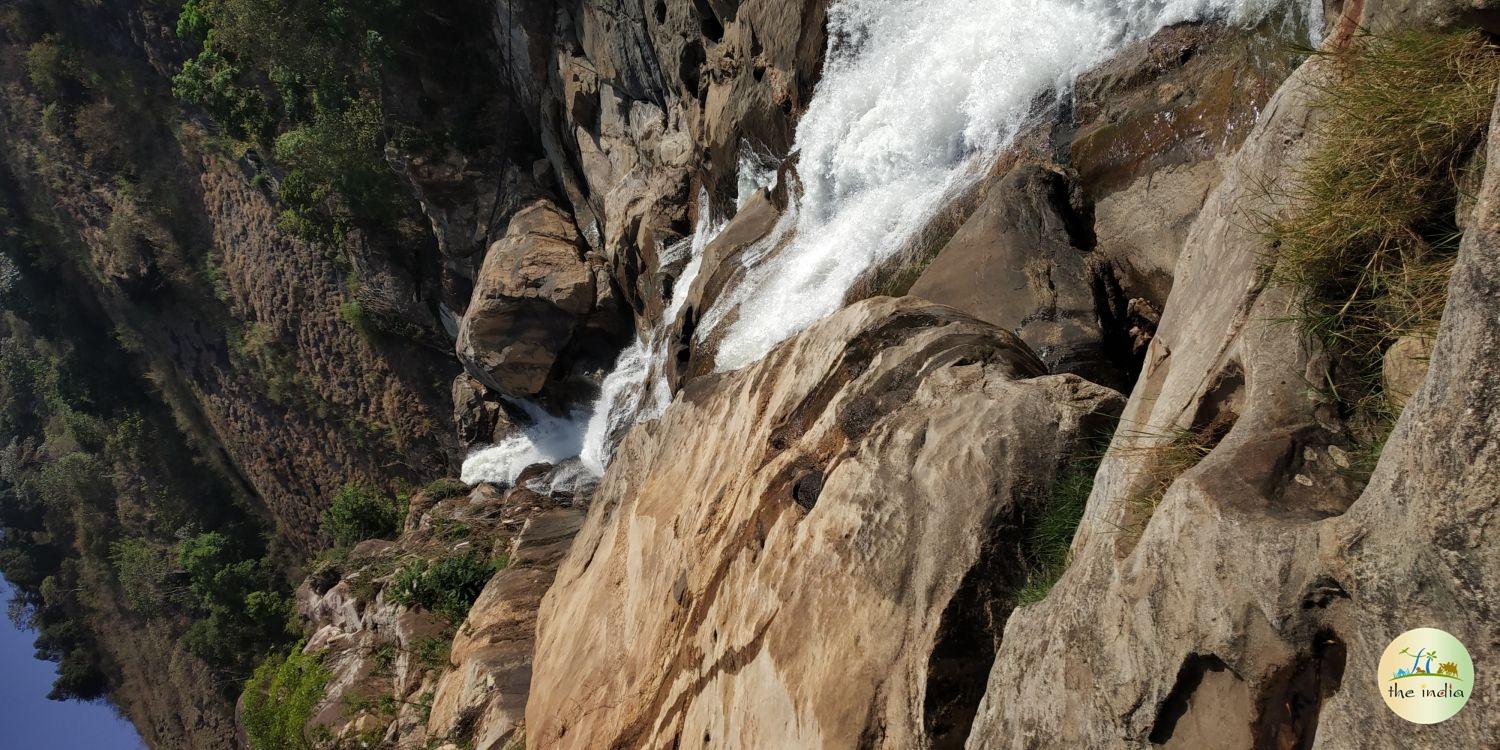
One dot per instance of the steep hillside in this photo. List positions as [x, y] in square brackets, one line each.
[748, 373]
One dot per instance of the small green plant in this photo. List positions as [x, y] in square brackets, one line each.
[49, 66]
[1375, 231]
[279, 700]
[442, 489]
[353, 312]
[448, 586]
[1051, 535]
[359, 512]
[433, 651]
[451, 529]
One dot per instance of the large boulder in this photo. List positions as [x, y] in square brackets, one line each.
[1021, 262]
[813, 551]
[535, 288]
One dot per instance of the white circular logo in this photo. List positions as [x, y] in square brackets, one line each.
[1426, 675]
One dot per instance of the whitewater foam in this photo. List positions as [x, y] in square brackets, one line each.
[548, 439]
[916, 101]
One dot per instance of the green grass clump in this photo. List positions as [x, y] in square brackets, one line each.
[1371, 243]
[448, 586]
[1052, 534]
[1172, 455]
[432, 652]
[279, 700]
[442, 489]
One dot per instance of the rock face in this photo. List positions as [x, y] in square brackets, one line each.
[533, 292]
[1021, 262]
[686, 609]
[404, 677]
[1182, 641]
[1252, 606]
[827, 548]
[1072, 241]
[484, 695]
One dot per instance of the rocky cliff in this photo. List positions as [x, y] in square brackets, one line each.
[821, 374]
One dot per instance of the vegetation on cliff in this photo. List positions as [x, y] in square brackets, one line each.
[359, 512]
[104, 505]
[280, 698]
[447, 586]
[1378, 206]
[308, 82]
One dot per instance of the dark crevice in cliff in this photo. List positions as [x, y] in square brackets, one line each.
[967, 640]
[1195, 668]
[1294, 696]
[709, 21]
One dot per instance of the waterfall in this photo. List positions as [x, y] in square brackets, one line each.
[582, 443]
[917, 99]
[637, 389]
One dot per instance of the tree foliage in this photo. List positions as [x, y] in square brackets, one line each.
[279, 700]
[303, 78]
[359, 512]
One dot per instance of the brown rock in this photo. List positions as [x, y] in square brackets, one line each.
[1404, 367]
[492, 653]
[1015, 263]
[775, 562]
[1191, 614]
[720, 269]
[1252, 604]
[1152, 124]
[532, 292]
[478, 416]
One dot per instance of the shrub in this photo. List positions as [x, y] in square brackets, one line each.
[48, 66]
[353, 312]
[447, 587]
[359, 512]
[279, 700]
[442, 489]
[1371, 242]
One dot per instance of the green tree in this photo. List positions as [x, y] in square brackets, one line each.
[360, 512]
[279, 700]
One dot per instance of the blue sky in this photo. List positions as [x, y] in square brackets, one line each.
[28, 721]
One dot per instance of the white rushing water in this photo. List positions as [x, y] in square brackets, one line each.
[633, 391]
[917, 99]
[549, 439]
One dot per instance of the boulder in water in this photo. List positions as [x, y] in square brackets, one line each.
[534, 290]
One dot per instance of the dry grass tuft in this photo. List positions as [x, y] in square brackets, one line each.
[1373, 239]
[1167, 457]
